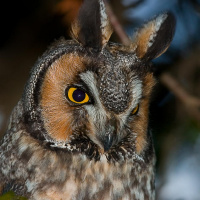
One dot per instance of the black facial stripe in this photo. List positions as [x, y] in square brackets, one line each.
[32, 89]
[36, 92]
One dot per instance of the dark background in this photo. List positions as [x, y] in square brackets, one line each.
[27, 28]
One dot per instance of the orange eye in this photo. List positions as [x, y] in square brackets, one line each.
[135, 110]
[77, 95]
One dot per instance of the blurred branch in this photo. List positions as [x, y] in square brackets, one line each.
[135, 4]
[192, 104]
[131, 4]
[116, 25]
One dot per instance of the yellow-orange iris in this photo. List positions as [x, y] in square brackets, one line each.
[135, 110]
[77, 96]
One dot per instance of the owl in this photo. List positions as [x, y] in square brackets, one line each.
[80, 130]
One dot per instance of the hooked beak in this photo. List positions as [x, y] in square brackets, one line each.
[107, 141]
[108, 138]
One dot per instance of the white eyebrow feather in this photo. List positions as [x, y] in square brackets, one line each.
[89, 80]
[136, 88]
[100, 113]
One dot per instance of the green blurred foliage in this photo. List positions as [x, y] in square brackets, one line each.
[11, 196]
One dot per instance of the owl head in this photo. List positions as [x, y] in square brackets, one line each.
[91, 96]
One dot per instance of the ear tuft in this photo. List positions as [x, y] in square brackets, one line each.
[154, 38]
[92, 28]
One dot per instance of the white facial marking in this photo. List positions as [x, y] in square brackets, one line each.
[136, 88]
[96, 112]
[100, 113]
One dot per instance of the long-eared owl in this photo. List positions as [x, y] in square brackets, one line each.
[80, 129]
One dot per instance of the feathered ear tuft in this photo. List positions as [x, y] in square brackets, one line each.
[92, 28]
[154, 38]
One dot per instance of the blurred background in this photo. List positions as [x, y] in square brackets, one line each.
[29, 27]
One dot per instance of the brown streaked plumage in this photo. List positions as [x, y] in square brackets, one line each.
[80, 130]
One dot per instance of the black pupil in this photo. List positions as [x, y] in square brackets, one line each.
[78, 95]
